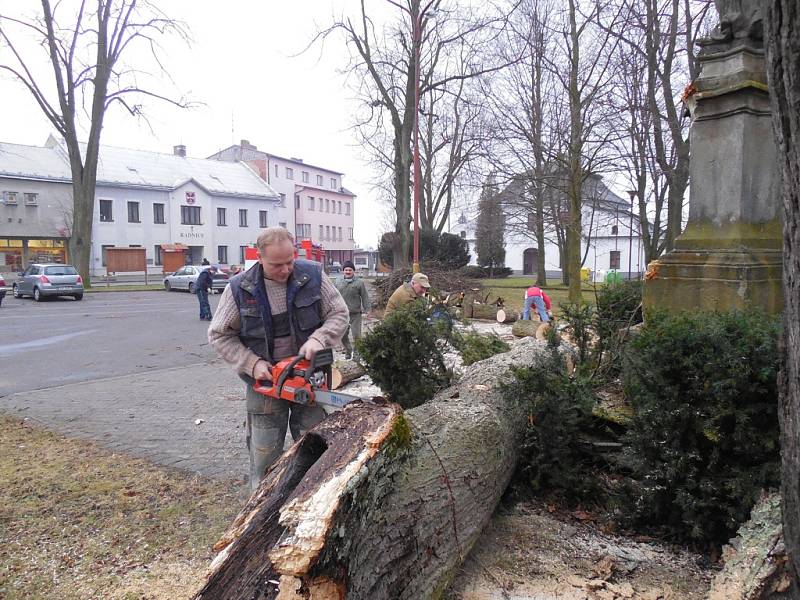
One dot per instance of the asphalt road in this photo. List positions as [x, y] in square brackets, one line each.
[132, 371]
[46, 344]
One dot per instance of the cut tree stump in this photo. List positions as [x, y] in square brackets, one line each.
[507, 315]
[345, 371]
[484, 311]
[375, 503]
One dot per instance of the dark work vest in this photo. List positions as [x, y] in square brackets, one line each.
[303, 303]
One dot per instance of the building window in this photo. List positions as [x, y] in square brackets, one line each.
[613, 263]
[463, 234]
[282, 225]
[321, 232]
[262, 219]
[133, 212]
[190, 215]
[327, 205]
[349, 233]
[327, 232]
[289, 173]
[222, 254]
[11, 197]
[158, 215]
[242, 217]
[283, 200]
[339, 207]
[347, 209]
[303, 230]
[297, 201]
[30, 198]
[157, 252]
[103, 253]
[106, 213]
[340, 234]
[243, 248]
[614, 230]
[305, 176]
[320, 205]
[333, 183]
[311, 203]
[276, 170]
[319, 180]
[222, 218]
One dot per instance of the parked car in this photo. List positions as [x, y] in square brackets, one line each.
[185, 278]
[3, 288]
[43, 280]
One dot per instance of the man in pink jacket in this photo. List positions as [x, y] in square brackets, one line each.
[535, 296]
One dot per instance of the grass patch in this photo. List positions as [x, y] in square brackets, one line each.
[513, 296]
[77, 521]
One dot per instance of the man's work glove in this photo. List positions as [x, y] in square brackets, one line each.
[310, 348]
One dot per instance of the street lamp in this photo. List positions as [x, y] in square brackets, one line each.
[416, 36]
[632, 194]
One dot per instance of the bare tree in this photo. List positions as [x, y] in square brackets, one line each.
[383, 72]
[782, 33]
[85, 51]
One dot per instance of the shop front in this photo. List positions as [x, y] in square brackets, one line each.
[17, 253]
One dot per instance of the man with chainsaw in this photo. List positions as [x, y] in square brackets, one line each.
[278, 308]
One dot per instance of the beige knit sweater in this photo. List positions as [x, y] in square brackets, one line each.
[223, 333]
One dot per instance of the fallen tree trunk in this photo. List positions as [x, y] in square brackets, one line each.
[484, 311]
[345, 371]
[391, 516]
[507, 315]
[525, 328]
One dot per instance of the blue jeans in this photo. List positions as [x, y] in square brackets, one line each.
[205, 307]
[538, 302]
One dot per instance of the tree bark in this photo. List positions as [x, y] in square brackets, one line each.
[345, 371]
[484, 311]
[525, 328]
[782, 33]
[507, 315]
[376, 503]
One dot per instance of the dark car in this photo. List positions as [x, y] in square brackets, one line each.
[49, 279]
[3, 288]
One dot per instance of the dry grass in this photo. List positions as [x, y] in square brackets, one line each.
[77, 521]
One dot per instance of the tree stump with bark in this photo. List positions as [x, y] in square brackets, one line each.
[375, 503]
[525, 328]
[484, 311]
[345, 371]
[507, 315]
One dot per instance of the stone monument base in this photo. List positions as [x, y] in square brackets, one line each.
[721, 280]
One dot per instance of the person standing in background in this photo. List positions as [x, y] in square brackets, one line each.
[356, 297]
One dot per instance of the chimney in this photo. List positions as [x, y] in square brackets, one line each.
[246, 145]
[179, 150]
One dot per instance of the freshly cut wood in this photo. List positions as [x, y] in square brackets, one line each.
[484, 311]
[542, 330]
[507, 315]
[345, 371]
[525, 328]
[376, 503]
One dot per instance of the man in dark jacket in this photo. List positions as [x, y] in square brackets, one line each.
[201, 287]
[279, 307]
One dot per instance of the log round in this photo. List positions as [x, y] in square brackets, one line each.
[507, 315]
[345, 371]
[525, 328]
[385, 504]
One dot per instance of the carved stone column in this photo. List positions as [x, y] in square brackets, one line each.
[729, 255]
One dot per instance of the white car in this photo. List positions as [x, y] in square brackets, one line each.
[185, 278]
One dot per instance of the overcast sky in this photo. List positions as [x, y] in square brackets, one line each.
[240, 67]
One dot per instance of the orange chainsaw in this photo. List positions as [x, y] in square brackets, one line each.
[304, 381]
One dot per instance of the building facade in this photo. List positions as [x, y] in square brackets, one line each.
[211, 209]
[315, 205]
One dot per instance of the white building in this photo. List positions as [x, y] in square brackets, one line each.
[315, 203]
[610, 238]
[142, 199]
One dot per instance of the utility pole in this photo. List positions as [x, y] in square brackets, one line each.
[632, 194]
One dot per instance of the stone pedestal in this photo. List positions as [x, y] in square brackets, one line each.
[729, 255]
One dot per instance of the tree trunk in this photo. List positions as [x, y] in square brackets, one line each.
[782, 33]
[345, 371]
[375, 503]
[484, 311]
[525, 328]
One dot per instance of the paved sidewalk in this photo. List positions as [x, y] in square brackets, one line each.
[152, 415]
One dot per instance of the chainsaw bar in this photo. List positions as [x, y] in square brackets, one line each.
[333, 398]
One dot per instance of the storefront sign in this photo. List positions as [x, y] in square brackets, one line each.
[192, 235]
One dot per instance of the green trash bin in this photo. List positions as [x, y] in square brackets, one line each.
[613, 277]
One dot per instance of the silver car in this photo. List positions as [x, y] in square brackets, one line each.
[43, 280]
[185, 278]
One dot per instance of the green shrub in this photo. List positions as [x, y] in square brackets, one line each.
[403, 358]
[704, 438]
[474, 346]
[579, 319]
[558, 409]
[476, 272]
[619, 305]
